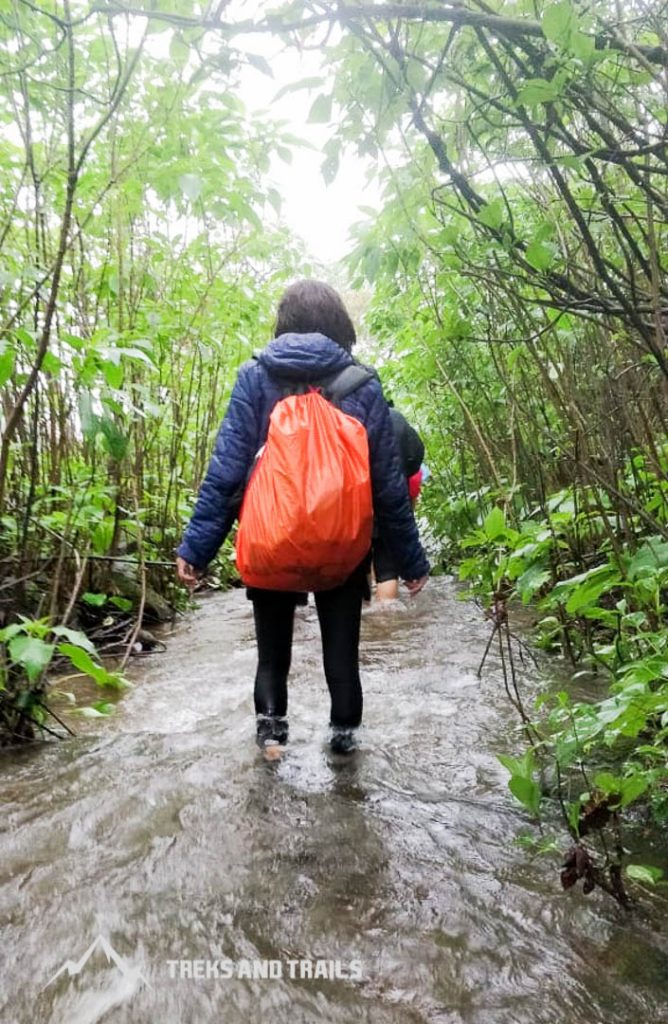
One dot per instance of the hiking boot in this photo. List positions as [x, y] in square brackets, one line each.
[342, 741]
[271, 730]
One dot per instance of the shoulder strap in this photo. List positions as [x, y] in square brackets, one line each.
[347, 380]
[335, 387]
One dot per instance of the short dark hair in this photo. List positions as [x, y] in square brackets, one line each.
[313, 306]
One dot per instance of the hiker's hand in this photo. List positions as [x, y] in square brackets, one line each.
[415, 586]
[187, 573]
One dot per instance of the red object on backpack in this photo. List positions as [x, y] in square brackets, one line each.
[415, 485]
[306, 518]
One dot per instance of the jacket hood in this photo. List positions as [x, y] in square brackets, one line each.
[303, 356]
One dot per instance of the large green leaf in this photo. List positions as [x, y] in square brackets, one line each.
[526, 791]
[493, 213]
[83, 661]
[649, 557]
[588, 593]
[648, 874]
[538, 90]
[7, 357]
[495, 523]
[113, 373]
[559, 22]
[100, 709]
[633, 787]
[585, 589]
[531, 581]
[102, 535]
[115, 441]
[321, 109]
[75, 637]
[90, 422]
[539, 255]
[31, 653]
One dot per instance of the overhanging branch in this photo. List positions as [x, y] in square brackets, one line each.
[510, 28]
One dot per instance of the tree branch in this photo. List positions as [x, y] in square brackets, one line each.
[511, 28]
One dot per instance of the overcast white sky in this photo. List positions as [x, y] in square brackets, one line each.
[320, 214]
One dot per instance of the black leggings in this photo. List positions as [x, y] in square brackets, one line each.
[339, 612]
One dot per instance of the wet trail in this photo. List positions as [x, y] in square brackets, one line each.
[165, 832]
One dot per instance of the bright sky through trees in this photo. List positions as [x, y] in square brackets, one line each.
[322, 215]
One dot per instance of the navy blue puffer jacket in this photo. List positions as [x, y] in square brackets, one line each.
[290, 358]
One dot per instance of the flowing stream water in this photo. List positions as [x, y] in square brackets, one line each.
[159, 844]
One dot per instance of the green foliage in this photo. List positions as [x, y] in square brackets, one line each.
[522, 783]
[612, 615]
[81, 660]
[98, 709]
[174, 254]
[25, 646]
[28, 648]
[321, 109]
[645, 874]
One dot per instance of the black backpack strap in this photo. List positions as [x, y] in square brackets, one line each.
[334, 387]
[346, 381]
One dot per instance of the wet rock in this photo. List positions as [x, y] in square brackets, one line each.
[125, 578]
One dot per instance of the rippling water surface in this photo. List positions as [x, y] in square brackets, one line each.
[165, 833]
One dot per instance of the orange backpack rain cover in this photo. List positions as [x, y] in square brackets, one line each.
[306, 517]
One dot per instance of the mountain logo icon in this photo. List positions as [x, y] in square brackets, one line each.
[72, 967]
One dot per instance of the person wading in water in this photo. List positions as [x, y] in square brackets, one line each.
[313, 339]
[411, 454]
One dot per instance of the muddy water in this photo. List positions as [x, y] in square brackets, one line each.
[167, 835]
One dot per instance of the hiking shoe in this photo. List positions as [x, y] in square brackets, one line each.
[342, 741]
[271, 730]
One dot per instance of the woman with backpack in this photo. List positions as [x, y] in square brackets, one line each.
[311, 348]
